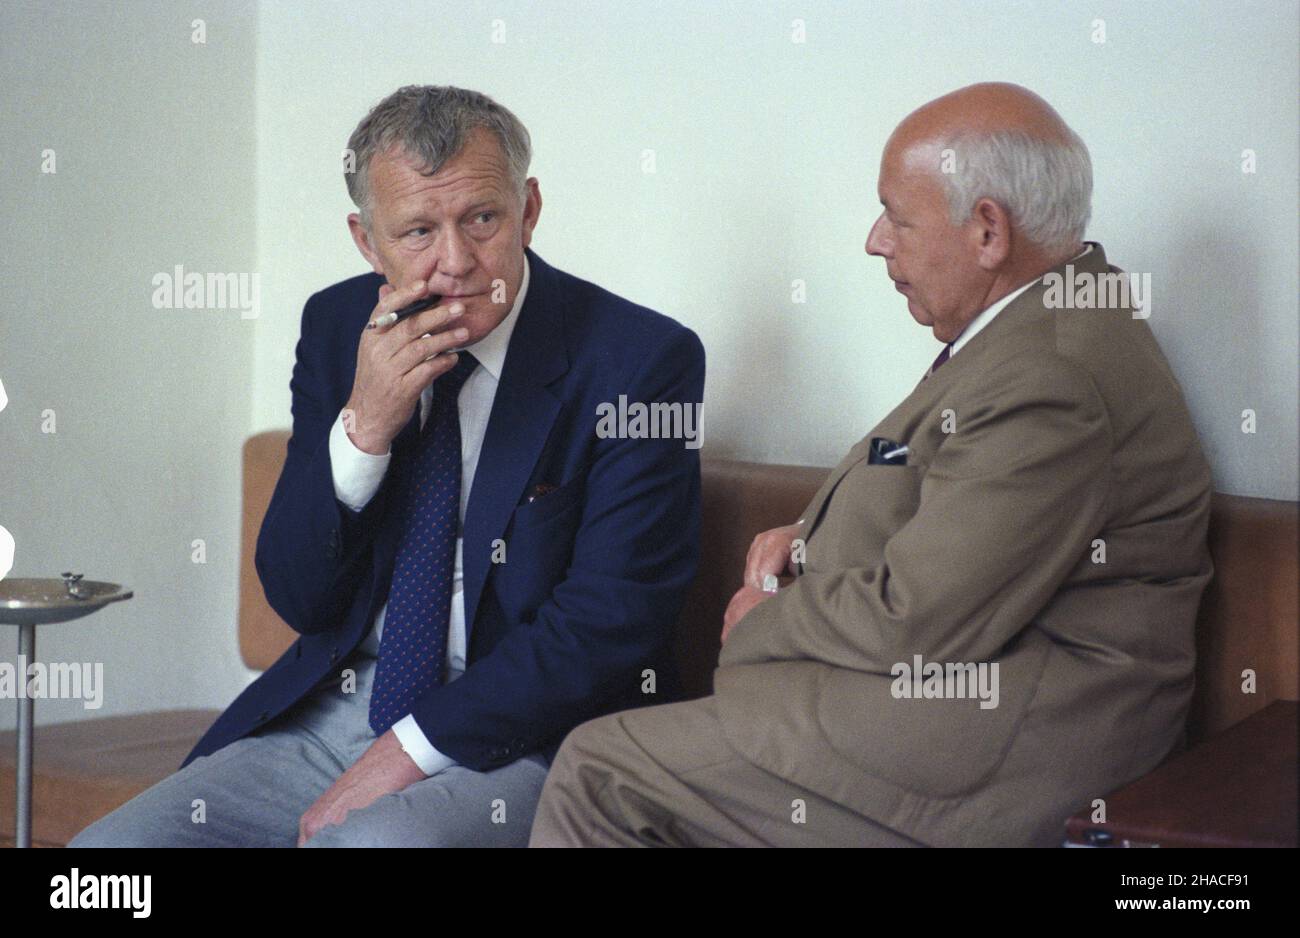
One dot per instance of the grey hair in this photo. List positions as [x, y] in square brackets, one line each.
[1044, 185]
[432, 123]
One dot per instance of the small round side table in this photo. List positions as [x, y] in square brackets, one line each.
[28, 603]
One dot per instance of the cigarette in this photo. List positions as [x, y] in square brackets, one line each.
[418, 306]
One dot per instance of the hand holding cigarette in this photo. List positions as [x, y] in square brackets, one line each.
[408, 342]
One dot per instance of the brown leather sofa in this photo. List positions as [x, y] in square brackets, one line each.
[1248, 620]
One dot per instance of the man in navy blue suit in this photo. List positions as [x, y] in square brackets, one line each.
[476, 560]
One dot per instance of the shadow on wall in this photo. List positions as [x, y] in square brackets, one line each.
[1206, 316]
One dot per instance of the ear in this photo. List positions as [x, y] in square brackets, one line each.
[532, 209]
[990, 233]
[361, 238]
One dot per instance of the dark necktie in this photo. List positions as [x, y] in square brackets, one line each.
[414, 642]
[938, 362]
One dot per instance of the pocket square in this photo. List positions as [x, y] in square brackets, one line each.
[886, 453]
[539, 490]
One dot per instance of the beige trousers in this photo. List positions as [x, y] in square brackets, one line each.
[666, 776]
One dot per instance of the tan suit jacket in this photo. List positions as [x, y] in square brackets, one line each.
[1067, 443]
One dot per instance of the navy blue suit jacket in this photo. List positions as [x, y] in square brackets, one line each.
[596, 570]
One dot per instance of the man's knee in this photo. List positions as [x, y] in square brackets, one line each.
[359, 831]
[458, 808]
[128, 826]
[566, 813]
[344, 835]
[99, 834]
[587, 741]
[173, 812]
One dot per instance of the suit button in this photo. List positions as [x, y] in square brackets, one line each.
[334, 655]
[332, 548]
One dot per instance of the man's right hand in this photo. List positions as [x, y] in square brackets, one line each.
[396, 363]
[770, 554]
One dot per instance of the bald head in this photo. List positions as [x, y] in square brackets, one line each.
[988, 107]
[984, 189]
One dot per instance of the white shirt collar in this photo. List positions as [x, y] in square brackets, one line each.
[491, 349]
[986, 317]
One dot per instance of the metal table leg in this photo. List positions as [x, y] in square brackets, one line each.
[23, 819]
[28, 602]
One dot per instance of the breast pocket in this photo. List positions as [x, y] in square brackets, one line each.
[551, 505]
[539, 551]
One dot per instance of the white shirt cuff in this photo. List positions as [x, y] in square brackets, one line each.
[416, 745]
[357, 475]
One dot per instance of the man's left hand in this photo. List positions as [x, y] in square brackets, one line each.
[746, 598]
[384, 768]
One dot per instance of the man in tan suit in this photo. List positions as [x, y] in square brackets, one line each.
[991, 621]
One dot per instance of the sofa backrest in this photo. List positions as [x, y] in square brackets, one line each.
[263, 635]
[1250, 616]
[1248, 619]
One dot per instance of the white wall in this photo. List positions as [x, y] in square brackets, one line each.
[766, 154]
[153, 147]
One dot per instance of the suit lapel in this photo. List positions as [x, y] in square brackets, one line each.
[924, 394]
[522, 414]
[813, 513]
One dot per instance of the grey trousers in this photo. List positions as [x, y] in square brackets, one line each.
[666, 776]
[253, 792]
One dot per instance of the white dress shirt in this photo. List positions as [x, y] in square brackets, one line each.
[357, 476]
[986, 317]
